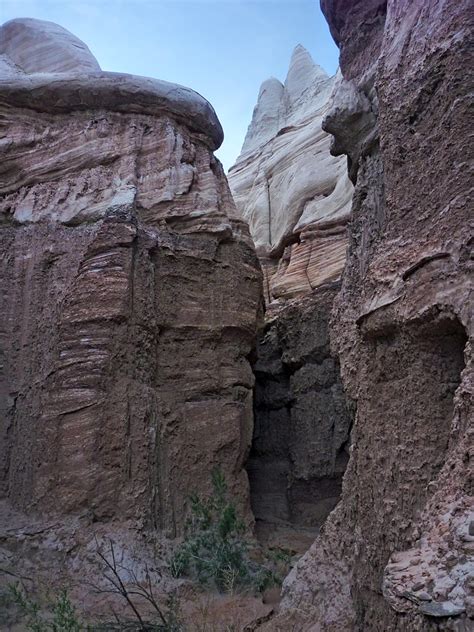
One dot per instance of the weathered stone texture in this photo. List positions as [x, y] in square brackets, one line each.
[35, 46]
[129, 291]
[302, 418]
[295, 196]
[396, 554]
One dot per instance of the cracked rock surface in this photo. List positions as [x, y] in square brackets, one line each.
[397, 552]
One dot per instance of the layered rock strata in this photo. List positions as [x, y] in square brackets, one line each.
[397, 553]
[129, 290]
[295, 196]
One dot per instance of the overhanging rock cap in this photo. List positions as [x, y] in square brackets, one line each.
[46, 68]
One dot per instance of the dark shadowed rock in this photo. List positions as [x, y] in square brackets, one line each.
[302, 418]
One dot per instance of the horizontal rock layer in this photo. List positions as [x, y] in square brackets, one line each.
[130, 292]
[43, 68]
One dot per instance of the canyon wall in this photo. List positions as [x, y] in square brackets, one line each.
[302, 419]
[398, 551]
[129, 291]
[295, 196]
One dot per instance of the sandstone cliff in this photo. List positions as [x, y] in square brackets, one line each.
[397, 553]
[129, 291]
[295, 196]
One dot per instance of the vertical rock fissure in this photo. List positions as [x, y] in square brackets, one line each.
[291, 190]
[302, 424]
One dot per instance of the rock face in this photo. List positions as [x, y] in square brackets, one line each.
[397, 553]
[302, 418]
[295, 196]
[129, 290]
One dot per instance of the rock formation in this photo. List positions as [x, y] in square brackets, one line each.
[397, 553]
[295, 196]
[129, 291]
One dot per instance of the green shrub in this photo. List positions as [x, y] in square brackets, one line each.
[215, 551]
[62, 617]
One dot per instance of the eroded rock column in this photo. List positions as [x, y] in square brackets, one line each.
[130, 291]
[295, 196]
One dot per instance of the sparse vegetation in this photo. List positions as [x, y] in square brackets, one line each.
[60, 615]
[215, 551]
[167, 617]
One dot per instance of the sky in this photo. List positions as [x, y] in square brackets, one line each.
[223, 49]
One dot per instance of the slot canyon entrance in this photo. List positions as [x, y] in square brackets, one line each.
[302, 424]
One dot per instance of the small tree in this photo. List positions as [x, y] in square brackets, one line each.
[215, 551]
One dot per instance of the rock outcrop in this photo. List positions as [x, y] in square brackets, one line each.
[295, 196]
[129, 291]
[397, 553]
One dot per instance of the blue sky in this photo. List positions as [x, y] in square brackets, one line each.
[223, 49]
